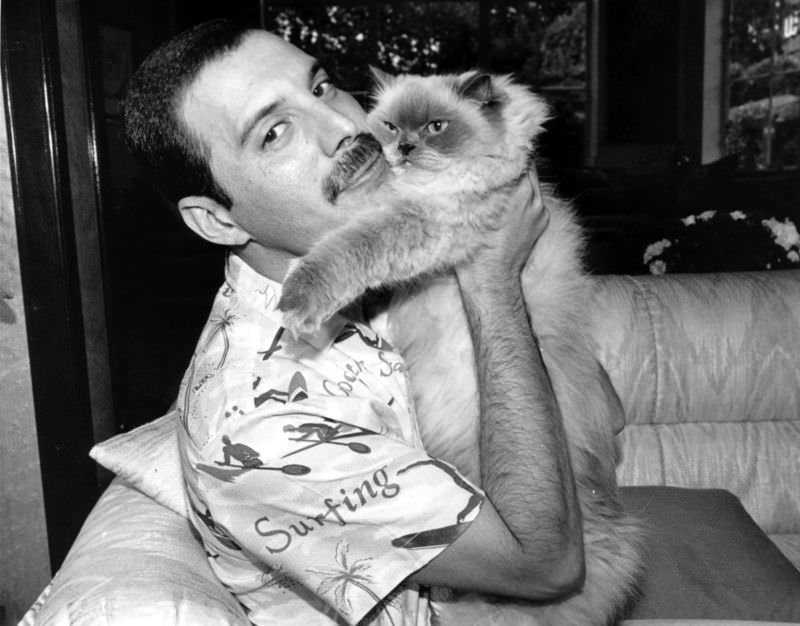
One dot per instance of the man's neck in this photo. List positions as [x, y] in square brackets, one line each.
[266, 261]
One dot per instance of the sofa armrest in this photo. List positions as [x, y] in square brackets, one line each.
[135, 562]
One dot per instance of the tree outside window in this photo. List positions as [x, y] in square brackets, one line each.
[763, 126]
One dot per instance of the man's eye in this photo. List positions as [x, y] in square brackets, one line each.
[437, 126]
[323, 87]
[274, 133]
[391, 127]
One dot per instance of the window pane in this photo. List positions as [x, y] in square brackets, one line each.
[428, 37]
[764, 79]
[337, 35]
[544, 45]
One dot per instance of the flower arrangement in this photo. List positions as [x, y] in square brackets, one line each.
[716, 241]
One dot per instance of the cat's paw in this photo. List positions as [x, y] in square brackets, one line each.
[306, 301]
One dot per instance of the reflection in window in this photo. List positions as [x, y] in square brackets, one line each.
[764, 84]
[543, 43]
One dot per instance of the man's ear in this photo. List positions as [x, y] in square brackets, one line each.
[212, 221]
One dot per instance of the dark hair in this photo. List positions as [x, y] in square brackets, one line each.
[160, 141]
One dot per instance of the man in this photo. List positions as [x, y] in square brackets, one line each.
[307, 480]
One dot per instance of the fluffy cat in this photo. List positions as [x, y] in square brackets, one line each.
[434, 211]
[457, 144]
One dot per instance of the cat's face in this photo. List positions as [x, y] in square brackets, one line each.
[426, 122]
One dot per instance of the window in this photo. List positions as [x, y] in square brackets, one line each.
[763, 126]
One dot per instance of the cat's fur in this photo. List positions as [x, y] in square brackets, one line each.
[451, 192]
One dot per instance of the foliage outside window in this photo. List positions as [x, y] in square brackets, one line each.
[542, 43]
[764, 84]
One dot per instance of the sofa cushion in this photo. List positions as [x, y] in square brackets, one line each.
[707, 559]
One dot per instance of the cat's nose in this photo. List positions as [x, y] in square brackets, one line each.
[405, 148]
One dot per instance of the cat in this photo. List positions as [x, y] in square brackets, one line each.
[438, 206]
[457, 144]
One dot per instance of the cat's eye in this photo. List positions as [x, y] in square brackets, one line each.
[437, 126]
[390, 127]
[274, 133]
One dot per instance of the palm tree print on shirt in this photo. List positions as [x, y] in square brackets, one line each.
[346, 577]
[221, 325]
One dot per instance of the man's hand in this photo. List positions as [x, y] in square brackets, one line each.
[507, 249]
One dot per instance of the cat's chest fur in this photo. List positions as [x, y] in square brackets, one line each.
[462, 195]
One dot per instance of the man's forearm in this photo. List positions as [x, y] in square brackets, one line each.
[524, 458]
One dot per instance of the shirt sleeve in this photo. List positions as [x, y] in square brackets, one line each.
[343, 509]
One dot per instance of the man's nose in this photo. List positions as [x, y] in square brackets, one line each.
[335, 129]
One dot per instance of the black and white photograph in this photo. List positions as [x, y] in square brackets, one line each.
[400, 313]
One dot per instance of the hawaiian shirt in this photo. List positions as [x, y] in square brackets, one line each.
[306, 477]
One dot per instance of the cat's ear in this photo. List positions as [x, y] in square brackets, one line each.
[476, 86]
[382, 79]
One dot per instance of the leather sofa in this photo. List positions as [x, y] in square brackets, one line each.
[708, 370]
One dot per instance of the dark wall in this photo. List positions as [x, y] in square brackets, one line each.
[641, 71]
[162, 276]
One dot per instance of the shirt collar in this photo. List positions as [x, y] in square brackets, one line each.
[263, 294]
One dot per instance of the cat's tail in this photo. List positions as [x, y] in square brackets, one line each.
[613, 550]
[614, 554]
[613, 538]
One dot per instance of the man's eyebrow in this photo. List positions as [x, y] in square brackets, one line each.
[257, 117]
[316, 67]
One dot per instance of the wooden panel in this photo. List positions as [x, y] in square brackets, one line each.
[84, 177]
[48, 267]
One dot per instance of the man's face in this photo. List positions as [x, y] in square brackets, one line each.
[281, 140]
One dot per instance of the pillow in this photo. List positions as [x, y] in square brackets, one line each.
[148, 458]
[708, 559]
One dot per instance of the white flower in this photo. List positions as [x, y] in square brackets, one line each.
[706, 215]
[793, 256]
[658, 267]
[737, 215]
[691, 220]
[655, 249]
[785, 232]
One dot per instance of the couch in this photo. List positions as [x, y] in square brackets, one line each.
[708, 370]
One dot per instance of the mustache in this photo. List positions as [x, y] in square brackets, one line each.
[363, 149]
